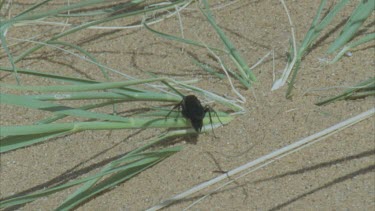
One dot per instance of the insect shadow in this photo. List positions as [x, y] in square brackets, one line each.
[192, 109]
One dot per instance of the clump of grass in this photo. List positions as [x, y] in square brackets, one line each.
[244, 74]
[88, 9]
[50, 99]
[81, 89]
[358, 16]
[15, 137]
[119, 92]
[115, 172]
[352, 26]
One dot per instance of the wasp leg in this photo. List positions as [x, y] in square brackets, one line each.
[178, 107]
[210, 109]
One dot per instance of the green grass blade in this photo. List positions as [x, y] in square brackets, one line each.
[83, 195]
[329, 17]
[152, 142]
[6, 49]
[105, 11]
[35, 6]
[168, 85]
[244, 81]
[317, 27]
[48, 75]
[1, 5]
[350, 92]
[311, 36]
[29, 102]
[53, 12]
[10, 143]
[123, 95]
[133, 160]
[242, 66]
[80, 88]
[293, 79]
[81, 126]
[361, 94]
[365, 39]
[43, 193]
[207, 68]
[295, 55]
[307, 41]
[56, 117]
[179, 39]
[96, 22]
[119, 94]
[85, 53]
[359, 15]
[61, 77]
[106, 185]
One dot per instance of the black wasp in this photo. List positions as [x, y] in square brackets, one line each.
[192, 109]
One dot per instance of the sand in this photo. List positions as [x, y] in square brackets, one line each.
[334, 174]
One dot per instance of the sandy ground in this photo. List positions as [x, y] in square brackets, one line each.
[334, 174]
